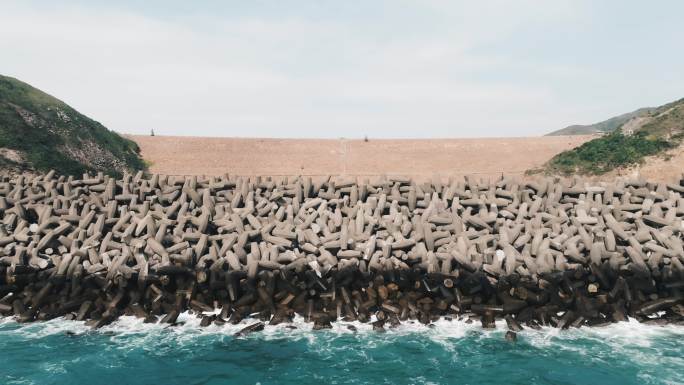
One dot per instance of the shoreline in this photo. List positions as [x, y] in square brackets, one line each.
[513, 313]
[534, 253]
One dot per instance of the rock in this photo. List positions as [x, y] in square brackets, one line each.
[511, 336]
[255, 327]
[207, 320]
[322, 323]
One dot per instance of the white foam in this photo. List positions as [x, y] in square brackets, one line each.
[129, 329]
[628, 333]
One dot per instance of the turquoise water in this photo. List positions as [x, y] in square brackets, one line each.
[451, 352]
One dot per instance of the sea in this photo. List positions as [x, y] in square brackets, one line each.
[447, 352]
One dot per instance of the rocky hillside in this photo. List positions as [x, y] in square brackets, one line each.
[647, 134]
[40, 132]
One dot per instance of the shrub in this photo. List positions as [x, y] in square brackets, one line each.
[608, 152]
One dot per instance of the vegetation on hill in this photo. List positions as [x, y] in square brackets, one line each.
[666, 121]
[44, 133]
[605, 126]
[660, 130]
[607, 153]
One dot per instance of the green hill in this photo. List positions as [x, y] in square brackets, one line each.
[646, 134]
[40, 132]
[604, 126]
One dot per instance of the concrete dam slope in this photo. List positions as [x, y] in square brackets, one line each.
[417, 158]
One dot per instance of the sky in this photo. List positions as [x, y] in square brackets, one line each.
[330, 69]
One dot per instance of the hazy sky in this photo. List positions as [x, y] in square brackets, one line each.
[423, 68]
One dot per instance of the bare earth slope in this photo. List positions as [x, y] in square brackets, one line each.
[414, 158]
[667, 167]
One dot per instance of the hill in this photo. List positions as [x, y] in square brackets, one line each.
[40, 132]
[647, 134]
[604, 126]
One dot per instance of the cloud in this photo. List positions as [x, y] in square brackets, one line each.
[406, 69]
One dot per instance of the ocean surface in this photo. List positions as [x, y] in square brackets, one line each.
[451, 352]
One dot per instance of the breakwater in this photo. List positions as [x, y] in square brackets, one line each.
[534, 253]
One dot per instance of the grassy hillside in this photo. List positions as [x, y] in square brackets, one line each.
[654, 133]
[605, 126]
[38, 131]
